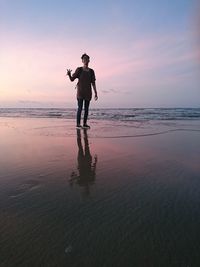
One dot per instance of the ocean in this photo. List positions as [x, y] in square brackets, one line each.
[117, 114]
[124, 193]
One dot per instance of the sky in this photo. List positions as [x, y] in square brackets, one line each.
[144, 53]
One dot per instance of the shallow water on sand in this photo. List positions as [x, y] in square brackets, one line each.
[82, 198]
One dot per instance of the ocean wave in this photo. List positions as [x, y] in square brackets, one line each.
[131, 114]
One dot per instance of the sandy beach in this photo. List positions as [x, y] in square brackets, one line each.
[114, 195]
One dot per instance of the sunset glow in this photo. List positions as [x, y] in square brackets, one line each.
[143, 54]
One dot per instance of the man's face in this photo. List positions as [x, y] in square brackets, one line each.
[85, 60]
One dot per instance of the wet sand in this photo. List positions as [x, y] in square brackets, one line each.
[114, 195]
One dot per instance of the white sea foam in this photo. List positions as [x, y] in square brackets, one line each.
[131, 114]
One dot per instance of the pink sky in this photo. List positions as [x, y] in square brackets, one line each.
[159, 69]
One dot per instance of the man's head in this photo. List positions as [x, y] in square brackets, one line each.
[85, 59]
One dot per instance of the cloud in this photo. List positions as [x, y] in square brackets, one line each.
[107, 91]
[34, 70]
[28, 102]
[147, 59]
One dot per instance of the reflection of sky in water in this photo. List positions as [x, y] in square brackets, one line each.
[47, 146]
[40, 145]
[56, 199]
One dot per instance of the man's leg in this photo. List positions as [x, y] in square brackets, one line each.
[86, 110]
[79, 111]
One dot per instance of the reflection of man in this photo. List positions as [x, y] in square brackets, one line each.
[86, 167]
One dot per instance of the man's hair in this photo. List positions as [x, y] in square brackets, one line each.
[85, 55]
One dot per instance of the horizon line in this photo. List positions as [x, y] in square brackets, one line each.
[161, 107]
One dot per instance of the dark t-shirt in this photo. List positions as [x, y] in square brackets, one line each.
[85, 78]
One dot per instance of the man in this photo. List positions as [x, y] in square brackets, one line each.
[86, 80]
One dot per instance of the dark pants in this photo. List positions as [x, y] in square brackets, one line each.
[79, 111]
